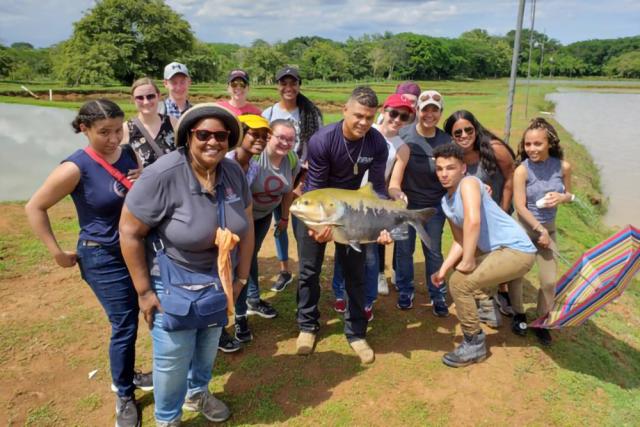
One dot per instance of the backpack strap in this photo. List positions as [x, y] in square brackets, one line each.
[147, 136]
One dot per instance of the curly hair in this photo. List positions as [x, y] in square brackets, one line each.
[482, 142]
[310, 118]
[539, 123]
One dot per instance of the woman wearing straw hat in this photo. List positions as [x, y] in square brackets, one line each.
[175, 201]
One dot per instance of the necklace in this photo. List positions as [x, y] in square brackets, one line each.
[355, 163]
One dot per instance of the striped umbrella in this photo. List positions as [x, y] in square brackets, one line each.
[597, 278]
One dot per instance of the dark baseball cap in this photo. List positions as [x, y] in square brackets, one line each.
[288, 71]
[238, 74]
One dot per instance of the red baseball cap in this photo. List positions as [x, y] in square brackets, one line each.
[398, 101]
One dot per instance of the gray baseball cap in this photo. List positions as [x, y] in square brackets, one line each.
[175, 68]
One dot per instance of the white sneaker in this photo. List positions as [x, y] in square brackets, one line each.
[383, 287]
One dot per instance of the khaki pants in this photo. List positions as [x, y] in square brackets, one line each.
[547, 267]
[499, 266]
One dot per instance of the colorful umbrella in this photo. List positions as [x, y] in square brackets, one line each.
[597, 278]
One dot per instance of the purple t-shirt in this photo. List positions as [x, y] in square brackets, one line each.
[331, 167]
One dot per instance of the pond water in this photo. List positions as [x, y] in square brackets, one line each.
[34, 140]
[608, 126]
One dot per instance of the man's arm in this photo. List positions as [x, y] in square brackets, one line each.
[471, 200]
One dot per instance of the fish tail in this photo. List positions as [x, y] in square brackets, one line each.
[418, 219]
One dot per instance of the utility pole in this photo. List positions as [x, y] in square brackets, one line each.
[541, 54]
[533, 19]
[514, 71]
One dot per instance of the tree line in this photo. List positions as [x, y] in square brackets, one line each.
[118, 41]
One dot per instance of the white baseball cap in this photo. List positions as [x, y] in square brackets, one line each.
[175, 68]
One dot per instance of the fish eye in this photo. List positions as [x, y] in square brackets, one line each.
[306, 202]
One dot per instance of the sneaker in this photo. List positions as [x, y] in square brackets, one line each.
[340, 305]
[262, 309]
[368, 313]
[405, 301]
[284, 278]
[127, 412]
[472, 350]
[519, 324]
[174, 423]
[504, 304]
[544, 336]
[243, 333]
[489, 313]
[142, 380]
[364, 352]
[440, 308]
[383, 287]
[204, 402]
[305, 342]
[227, 343]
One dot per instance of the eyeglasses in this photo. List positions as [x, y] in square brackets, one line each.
[256, 134]
[206, 135]
[241, 85]
[427, 96]
[149, 97]
[468, 130]
[394, 114]
[283, 139]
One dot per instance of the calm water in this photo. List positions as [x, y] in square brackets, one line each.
[33, 140]
[608, 125]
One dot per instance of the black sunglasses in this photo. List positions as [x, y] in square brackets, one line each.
[468, 130]
[150, 97]
[206, 135]
[395, 114]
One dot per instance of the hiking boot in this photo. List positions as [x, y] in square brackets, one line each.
[440, 308]
[368, 312]
[405, 301]
[305, 342]
[142, 380]
[544, 336]
[340, 305]
[519, 324]
[204, 402]
[472, 350]
[489, 313]
[284, 278]
[243, 333]
[127, 412]
[262, 309]
[364, 352]
[383, 287]
[504, 304]
[227, 343]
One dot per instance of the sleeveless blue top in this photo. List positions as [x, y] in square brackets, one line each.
[497, 229]
[98, 197]
[543, 177]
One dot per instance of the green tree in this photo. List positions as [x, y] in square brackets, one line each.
[325, 61]
[261, 61]
[626, 65]
[134, 38]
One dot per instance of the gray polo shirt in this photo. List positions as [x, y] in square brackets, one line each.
[168, 198]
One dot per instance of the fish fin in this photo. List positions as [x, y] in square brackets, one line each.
[367, 190]
[422, 233]
[355, 245]
[418, 218]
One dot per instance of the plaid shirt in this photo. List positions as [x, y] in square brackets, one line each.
[171, 108]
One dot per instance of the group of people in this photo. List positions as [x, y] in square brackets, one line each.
[154, 191]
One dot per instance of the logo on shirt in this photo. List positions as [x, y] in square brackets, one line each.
[365, 160]
[273, 186]
[119, 189]
[230, 196]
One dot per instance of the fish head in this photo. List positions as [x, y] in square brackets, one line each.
[318, 207]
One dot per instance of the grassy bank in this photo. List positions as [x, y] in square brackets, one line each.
[53, 332]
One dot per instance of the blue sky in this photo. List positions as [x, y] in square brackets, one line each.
[45, 22]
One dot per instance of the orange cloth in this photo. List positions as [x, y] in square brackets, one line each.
[226, 241]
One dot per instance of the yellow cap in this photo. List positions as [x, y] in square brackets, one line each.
[254, 121]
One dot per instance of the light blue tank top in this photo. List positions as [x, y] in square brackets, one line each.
[497, 229]
[543, 177]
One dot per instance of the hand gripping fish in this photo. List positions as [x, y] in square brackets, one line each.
[358, 216]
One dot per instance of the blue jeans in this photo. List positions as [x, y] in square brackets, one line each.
[282, 241]
[182, 363]
[103, 268]
[371, 267]
[251, 292]
[403, 261]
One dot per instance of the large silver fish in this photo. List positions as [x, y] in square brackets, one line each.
[358, 216]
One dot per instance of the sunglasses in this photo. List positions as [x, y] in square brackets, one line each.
[394, 114]
[256, 134]
[149, 97]
[468, 130]
[241, 85]
[206, 135]
[428, 96]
